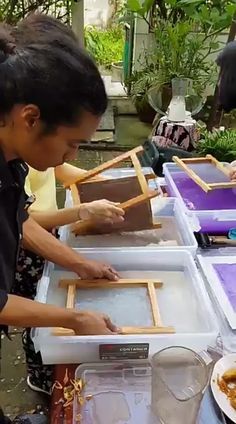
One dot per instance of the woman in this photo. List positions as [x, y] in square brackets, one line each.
[51, 98]
[227, 85]
[30, 266]
[44, 209]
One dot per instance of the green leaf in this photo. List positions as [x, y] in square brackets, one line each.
[134, 5]
[204, 11]
[188, 2]
[147, 5]
[214, 15]
[215, 45]
[231, 9]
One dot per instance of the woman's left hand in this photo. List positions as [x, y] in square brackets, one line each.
[101, 211]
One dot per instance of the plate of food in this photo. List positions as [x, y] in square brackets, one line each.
[223, 385]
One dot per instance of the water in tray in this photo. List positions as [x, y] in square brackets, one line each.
[209, 173]
[125, 306]
[197, 199]
[168, 234]
[178, 300]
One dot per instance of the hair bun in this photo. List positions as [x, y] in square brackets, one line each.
[7, 43]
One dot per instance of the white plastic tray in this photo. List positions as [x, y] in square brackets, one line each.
[183, 301]
[134, 383]
[176, 232]
[126, 390]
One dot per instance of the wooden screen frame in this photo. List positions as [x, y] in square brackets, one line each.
[146, 194]
[149, 284]
[183, 163]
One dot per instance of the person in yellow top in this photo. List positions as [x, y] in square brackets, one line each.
[44, 210]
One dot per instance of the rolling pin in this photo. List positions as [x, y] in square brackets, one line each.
[205, 241]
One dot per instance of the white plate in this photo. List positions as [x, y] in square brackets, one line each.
[223, 365]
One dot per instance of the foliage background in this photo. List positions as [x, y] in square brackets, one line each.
[105, 45]
[13, 10]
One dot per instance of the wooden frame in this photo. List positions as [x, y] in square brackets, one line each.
[146, 195]
[149, 284]
[183, 163]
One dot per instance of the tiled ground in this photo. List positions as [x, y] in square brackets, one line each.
[15, 397]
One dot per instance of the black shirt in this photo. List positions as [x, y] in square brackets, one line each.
[12, 216]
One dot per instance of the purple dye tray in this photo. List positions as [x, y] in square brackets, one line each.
[215, 211]
[219, 271]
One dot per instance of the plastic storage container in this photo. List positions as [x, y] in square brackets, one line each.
[227, 340]
[183, 303]
[124, 392]
[176, 232]
[215, 211]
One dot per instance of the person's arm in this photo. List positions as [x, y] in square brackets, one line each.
[57, 218]
[22, 312]
[98, 211]
[67, 172]
[40, 241]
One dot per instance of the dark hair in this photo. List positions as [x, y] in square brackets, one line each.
[41, 63]
[227, 84]
[36, 27]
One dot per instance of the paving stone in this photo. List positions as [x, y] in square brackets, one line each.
[15, 395]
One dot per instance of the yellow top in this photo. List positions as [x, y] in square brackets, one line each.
[43, 186]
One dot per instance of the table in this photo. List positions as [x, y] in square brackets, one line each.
[57, 409]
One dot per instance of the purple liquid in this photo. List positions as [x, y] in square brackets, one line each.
[197, 199]
[227, 277]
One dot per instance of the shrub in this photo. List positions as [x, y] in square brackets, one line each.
[106, 46]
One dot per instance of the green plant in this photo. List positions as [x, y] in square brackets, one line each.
[106, 46]
[177, 53]
[11, 11]
[220, 144]
[212, 15]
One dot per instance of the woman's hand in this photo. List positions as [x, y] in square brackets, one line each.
[92, 323]
[90, 270]
[232, 173]
[101, 211]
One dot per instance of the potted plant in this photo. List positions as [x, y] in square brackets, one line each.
[140, 82]
[208, 21]
[175, 53]
[220, 144]
[117, 71]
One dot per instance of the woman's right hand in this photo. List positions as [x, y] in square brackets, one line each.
[101, 211]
